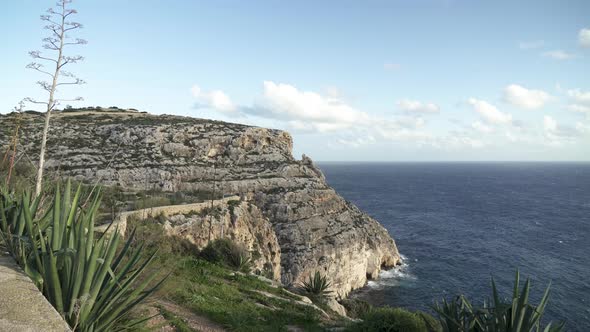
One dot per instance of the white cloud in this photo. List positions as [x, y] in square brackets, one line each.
[284, 101]
[551, 134]
[559, 55]
[394, 133]
[581, 101]
[357, 142]
[529, 45]
[489, 113]
[558, 135]
[333, 92]
[322, 127]
[524, 98]
[285, 106]
[584, 37]
[391, 66]
[215, 99]
[459, 140]
[417, 106]
[549, 124]
[579, 108]
[583, 128]
[579, 96]
[482, 127]
[310, 111]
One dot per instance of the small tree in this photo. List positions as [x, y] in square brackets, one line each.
[58, 25]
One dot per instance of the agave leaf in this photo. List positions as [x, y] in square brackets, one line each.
[133, 299]
[66, 204]
[54, 285]
[3, 219]
[34, 275]
[98, 282]
[522, 305]
[125, 248]
[79, 267]
[56, 229]
[543, 303]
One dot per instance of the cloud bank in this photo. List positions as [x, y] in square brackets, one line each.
[344, 125]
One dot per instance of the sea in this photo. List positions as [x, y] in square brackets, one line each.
[457, 225]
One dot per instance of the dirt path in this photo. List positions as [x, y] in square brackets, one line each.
[194, 321]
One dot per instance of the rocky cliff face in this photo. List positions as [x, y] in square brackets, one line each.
[199, 223]
[316, 229]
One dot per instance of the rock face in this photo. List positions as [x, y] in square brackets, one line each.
[316, 229]
[200, 223]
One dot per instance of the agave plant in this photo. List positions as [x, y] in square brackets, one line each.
[243, 263]
[316, 285]
[456, 315]
[515, 315]
[89, 281]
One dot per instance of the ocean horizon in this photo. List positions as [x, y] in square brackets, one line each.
[458, 224]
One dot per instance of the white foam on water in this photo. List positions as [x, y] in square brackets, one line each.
[394, 277]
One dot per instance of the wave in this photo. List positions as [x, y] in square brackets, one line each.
[397, 276]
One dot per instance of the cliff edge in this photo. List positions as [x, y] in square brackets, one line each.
[316, 229]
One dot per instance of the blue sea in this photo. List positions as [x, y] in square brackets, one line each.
[458, 224]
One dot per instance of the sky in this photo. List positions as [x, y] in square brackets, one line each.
[350, 80]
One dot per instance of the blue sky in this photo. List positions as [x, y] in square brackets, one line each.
[351, 80]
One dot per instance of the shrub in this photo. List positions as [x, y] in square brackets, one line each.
[516, 315]
[388, 319]
[227, 253]
[356, 308]
[150, 233]
[317, 285]
[91, 285]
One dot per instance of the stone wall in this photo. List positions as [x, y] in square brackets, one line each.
[22, 306]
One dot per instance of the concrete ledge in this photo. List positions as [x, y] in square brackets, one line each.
[22, 306]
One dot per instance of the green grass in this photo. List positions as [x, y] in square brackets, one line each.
[178, 323]
[232, 299]
[229, 298]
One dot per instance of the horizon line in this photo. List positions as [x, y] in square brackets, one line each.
[452, 161]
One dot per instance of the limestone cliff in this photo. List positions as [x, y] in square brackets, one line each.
[200, 223]
[316, 229]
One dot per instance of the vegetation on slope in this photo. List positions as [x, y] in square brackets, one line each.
[217, 290]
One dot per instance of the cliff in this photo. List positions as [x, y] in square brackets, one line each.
[199, 223]
[316, 229]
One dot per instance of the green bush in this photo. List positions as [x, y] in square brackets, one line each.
[356, 308]
[227, 253]
[388, 319]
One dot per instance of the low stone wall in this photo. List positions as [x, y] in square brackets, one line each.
[22, 306]
[120, 222]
